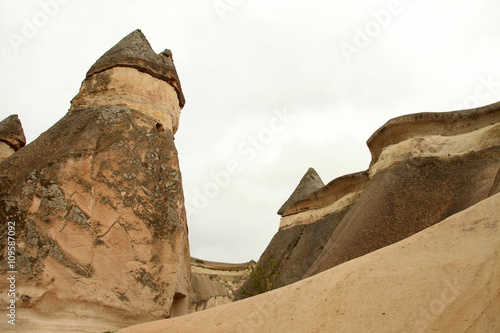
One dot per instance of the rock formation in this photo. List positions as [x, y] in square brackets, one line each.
[425, 167]
[215, 283]
[11, 136]
[308, 222]
[309, 183]
[96, 208]
[445, 278]
[97, 202]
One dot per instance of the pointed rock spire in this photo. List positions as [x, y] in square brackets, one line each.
[90, 179]
[11, 132]
[309, 183]
[135, 51]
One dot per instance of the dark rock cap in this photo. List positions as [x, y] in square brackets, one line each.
[11, 132]
[135, 51]
[308, 184]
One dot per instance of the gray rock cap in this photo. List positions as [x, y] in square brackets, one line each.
[309, 183]
[135, 51]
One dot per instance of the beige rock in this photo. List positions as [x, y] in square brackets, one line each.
[101, 229]
[314, 215]
[443, 279]
[438, 146]
[134, 89]
[215, 283]
[5, 151]
[326, 195]
[431, 124]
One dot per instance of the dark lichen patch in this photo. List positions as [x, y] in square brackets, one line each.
[144, 278]
[77, 216]
[25, 298]
[160, 299]
[52, 197]
[122, 296]
[98, 242]
[99, 82]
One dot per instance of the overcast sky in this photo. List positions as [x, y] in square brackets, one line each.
[272, 87]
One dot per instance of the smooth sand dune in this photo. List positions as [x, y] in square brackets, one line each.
[445, 278]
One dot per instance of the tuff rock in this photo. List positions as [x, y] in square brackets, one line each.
[98, 205]
[425, 167]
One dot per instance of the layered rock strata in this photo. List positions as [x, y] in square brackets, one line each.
[97, 202]
[11, 136]
[445, 278]
[325, 200]
[215, 283]
[425, 167]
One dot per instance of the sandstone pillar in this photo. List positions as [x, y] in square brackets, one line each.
[97, 200]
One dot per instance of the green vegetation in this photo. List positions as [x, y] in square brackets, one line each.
[261, 279]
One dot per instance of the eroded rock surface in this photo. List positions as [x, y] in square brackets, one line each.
[425, 167]
[98, 203]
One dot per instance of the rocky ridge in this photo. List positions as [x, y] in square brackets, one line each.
[425, 167]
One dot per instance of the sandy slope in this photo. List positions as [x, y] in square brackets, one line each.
[443, 279]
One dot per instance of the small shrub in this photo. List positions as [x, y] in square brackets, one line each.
[261, 280]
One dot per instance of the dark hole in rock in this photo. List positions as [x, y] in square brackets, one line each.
[159, 127]
[179, 305]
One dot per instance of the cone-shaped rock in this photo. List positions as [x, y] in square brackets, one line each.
[135, 51]
[307, 226]
[11, 136]
[309, 183]
[97, 205]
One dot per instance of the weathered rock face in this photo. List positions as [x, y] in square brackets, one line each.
[98, 202]
[445, 278]
[215, 283]
[11, 136]
[425, 167]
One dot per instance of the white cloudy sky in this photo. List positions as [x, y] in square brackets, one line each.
[339, 69]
